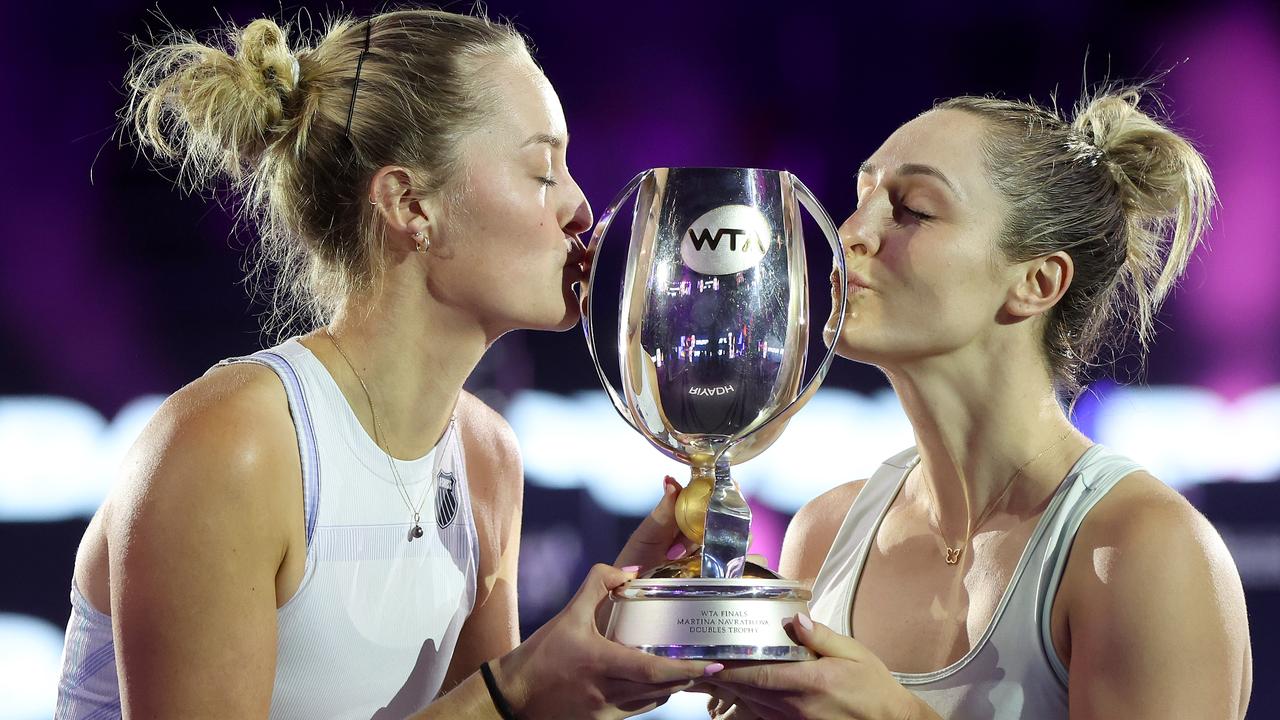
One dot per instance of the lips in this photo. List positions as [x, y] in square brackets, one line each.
[855, 282]
[579, 259]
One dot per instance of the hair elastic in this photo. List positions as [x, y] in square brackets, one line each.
[499, 701]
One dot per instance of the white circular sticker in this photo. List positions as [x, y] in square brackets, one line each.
[726, 240]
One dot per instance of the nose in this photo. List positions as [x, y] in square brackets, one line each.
[859, 233]
[581, 219]
[580, 214]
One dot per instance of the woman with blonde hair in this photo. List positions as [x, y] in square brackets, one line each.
[1006, 566]
[330, 527]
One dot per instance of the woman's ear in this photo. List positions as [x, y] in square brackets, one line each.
[1040, 285]
[400, 204]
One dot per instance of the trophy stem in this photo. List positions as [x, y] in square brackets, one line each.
[727, 528]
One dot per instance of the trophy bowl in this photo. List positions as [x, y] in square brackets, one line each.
[713, 334]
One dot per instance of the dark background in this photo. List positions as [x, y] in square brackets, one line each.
[114, 286]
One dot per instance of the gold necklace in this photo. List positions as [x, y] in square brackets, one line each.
[416, 532]
[952, 556]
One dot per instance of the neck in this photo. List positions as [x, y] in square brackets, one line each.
[413, 354]
[981, 422]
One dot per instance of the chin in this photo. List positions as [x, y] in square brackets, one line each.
[850, 350]
[572, 312]
[558, 319]
[844, 347]
[568, 322]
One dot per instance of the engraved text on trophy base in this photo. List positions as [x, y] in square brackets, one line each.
[685, 621]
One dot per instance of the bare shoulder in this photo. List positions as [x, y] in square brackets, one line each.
[1149, 578]
[486, 429]
[236, 414]
[1143, 520]
[492, 451]
[495, 474]
[813, 530]
[198, 532]
[210, 445]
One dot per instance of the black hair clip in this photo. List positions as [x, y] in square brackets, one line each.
[368, 26]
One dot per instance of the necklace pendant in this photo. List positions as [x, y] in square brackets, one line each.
[953, 555]
[417, 531]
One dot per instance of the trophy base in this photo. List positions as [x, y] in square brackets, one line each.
[709, 619]
[772, 653]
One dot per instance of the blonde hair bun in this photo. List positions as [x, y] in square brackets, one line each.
[213, 110]
[1154, 166]
[1165, 187]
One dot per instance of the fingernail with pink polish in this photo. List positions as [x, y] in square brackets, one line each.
[631, 569]
[712, 669]
[804, 621]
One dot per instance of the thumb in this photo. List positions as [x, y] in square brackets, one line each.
[599, 583]
[821, 639]
[649, 543]
[660, 525]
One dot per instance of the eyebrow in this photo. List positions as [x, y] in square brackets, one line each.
[914, 169]
[542, 138]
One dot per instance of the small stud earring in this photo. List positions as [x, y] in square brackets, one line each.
[421, 241]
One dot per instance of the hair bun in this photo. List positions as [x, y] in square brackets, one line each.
[1166, 192]
[263, 45]
[213, 111]
[1153, 166]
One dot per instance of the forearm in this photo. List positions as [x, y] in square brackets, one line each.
[468, 701]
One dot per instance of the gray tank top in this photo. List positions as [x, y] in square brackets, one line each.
[1012, 671]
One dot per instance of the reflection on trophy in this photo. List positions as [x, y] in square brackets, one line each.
[712, 339]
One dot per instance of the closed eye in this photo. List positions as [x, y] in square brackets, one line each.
[917, 214]
[901, 209]
[548, 181]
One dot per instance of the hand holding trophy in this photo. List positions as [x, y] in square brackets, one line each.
[712, 341]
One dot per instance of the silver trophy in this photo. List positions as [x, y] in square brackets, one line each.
[712, 341]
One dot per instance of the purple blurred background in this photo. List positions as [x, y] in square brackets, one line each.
[113, 286]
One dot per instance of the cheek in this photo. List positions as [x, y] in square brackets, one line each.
[936, 295]
[948, 285]
[957, 300]
[502, 228]
[946, 266]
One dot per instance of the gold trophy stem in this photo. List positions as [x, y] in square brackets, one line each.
[691, 506]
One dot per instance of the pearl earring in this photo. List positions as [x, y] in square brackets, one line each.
[421, 241]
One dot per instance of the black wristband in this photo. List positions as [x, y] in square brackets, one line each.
[499, 702]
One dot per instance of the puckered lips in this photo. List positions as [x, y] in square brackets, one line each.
[856, 283]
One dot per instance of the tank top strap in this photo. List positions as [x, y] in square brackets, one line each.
[1098, 471]
[844, 559]
[452, 502]
[303, 426]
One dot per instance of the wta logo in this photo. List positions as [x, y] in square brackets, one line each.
[726, 240]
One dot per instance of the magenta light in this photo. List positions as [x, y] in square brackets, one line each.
[1227, 98]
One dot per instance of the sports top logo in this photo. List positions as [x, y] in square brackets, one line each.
[726, 240]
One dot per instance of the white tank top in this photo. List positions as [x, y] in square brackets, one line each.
[372, 627]
[1012, 671]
